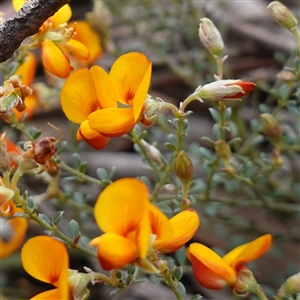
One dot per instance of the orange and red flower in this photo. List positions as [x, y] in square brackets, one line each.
[214, 272]
[57, 41]
[133, 226]
[107, 105]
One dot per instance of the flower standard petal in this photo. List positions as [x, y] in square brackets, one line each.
[93, 138]
[121, 206]
[105, 89]
[17, 4]
[114, 251]
[63, 15]
[131, 74]
[47, 266]
[209, 268]
[54, 60]
[78, 96]
[249, 251]
[184, 225]
[112, 122]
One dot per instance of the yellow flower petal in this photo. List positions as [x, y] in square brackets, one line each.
[249, 251]
[47, 266]
[63, 15]
[12, 235]
[114, 251]
[17, 4]
[77, 49]
[48, 295]
[160, 225]
[112, 122]
[78, 96]
[93, 138]
[88, 37]
[27, 70]
[105, 89]
[54, 60]
[131, 74]
[209, 268]
[121, 206]
[184, 225]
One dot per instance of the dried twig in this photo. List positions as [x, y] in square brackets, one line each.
[24, 23]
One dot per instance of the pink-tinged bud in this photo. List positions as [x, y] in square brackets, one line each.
[211, 37]
[222, 149]
[282, 15]
[183, 167]
[150, 110]
[270, 127]
[225, 90]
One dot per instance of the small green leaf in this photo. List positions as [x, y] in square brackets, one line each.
[57, 217]
[102, 174]
[30, 203]
[215, 114]
[35, 132]
[130, 269]
[170, 146]
[196, 297]
[83, 167]
[177, 272]
[173, 139]
[216, 132]
[227, 113]
[73, 228]
[45, 218]
[75, 160]
[20, 215]
[181, 289]
[180, 256]
[205, 153]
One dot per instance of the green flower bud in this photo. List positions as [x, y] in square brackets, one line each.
[4, 157]
[183, 167]
[282, 15]
[222, 149]
[78, 284]
[270, 127]
[211, 37]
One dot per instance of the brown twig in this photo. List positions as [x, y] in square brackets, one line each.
[24, 23]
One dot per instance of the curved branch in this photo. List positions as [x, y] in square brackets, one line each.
[24, 23]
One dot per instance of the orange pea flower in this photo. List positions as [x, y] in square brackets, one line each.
[13, 229]
[47, 259]
[174, 233]
[121, 212]
[107, 105]
[214, 272]
[26, 72]
[56, 41]
[129, 222]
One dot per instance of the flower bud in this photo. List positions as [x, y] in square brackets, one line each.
[5, 194]
[222, 149]
[291, 286]
[225, 90]
[282, 15]
[270, 127]
[183, 167]
[4, 157]
[150, 110]
[211, 37]
[78, 284]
